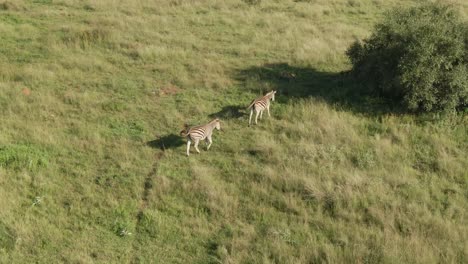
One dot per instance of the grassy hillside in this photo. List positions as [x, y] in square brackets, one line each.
[93, 94]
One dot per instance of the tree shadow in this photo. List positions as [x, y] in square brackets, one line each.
[229, 112]
[166, 142]
[291, 82]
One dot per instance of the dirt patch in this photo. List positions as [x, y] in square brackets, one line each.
[26, 91]
[169, 90]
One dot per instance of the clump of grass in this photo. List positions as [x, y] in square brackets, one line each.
[89, 7]
[7, 237]
[122, 222]
[85, 38]
[9, 6]
[132, 129]
[122, 231]
[37, 200]
[23, 156]
[253, 2]
[353, 3]
[364, 159]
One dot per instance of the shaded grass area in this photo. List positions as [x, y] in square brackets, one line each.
[92, 168]
[292, 83]
[166, 142]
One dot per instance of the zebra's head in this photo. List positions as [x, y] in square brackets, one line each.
[272, 94]
[218, 124]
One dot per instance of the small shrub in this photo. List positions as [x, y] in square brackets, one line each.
[416, 56]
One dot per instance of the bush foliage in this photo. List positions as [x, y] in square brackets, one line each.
[417, 56]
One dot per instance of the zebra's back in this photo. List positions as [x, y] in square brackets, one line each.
[198, 132]
[261, 104]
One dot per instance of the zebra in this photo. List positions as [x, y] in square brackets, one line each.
[260, 104]
[198, 133]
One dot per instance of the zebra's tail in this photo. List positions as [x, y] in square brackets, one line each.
[250, 105]
[184, 132]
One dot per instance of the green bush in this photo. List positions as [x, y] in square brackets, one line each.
[416, 56]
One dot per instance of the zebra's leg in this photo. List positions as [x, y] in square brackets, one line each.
[188, 147]
[210, 141]
[256, 116]
[250, 118]
[268, 110]
[261, 114]
[196, 145]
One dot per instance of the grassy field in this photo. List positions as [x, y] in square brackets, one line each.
[93, 94]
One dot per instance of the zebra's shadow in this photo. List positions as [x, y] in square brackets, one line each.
[293, 82]
[229, 112]
[166, 142]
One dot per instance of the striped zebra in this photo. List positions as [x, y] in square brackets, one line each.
[198, 133]
[260, 104]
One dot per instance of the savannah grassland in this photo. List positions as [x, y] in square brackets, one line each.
[92, 169]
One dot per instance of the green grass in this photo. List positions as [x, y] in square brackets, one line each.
[332, 177]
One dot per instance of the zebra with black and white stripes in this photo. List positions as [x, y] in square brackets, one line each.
[197, 133]
[260, 104]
